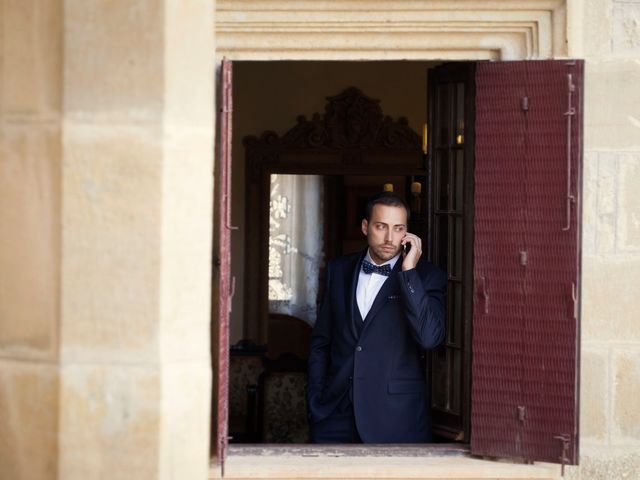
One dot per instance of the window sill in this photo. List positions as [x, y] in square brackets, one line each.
[372, 461]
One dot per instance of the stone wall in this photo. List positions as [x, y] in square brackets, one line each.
[105, 252]
[610, 373]
[30, 237]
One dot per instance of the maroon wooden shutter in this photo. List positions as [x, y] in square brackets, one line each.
[222, 258]
[527, 260]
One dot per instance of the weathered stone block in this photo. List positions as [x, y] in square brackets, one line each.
[612, 105]
[596, 27]
[187, 226]
[188, 28]
[607, 202]
[594, 383]
[31, 57]
[28, 420]
[589, 201]
[626, 28]
[610, 301]
[114, 60]
[626, 395]
[30, 239]
[111, 269]
[110, 422]
[597, 463]
[186, 409]
[607, 176]
[628, 222]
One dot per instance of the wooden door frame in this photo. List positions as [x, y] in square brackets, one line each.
[456, 72]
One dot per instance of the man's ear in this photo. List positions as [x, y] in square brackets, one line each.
[365, 225]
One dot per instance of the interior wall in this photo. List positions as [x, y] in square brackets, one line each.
[270, 95]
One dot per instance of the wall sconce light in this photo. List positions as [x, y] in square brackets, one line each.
[387, 187]
[425, 139]
[460, 135]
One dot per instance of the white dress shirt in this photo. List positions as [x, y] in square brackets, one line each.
[369, 284]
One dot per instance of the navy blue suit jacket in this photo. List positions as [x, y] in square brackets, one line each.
[382, 368]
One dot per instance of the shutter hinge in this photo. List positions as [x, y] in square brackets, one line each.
[524, 258]
[571, 111]
[522, 413]
[566, 441]
[572, 310]
[570, 85]
[525, 103]
[232, 291]
[227, 98]
[484, 294]
[223, 456]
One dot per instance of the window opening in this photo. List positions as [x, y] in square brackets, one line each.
[442, 202]
[330, 167]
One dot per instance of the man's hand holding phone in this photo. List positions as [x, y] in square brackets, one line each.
[412, 250]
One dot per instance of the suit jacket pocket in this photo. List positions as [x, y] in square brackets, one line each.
[406, 386]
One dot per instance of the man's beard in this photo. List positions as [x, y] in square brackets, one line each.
[385, 255]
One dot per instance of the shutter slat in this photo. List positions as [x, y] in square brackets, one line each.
[550, 329]
[499, 233]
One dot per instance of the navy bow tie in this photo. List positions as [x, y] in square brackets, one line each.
[368, 267]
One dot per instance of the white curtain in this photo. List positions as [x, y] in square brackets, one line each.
[295, 244]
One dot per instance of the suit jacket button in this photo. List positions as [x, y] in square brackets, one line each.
[358, 348]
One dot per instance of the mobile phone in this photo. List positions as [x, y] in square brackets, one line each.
[406, 247]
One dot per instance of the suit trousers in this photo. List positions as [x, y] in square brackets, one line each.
[338, 427]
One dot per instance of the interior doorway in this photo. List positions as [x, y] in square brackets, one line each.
[298, 199]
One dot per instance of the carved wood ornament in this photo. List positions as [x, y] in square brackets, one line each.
[351, 120]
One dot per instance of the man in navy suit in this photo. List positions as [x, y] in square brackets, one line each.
[382, 308]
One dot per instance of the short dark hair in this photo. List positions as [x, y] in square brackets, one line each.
[384, 198]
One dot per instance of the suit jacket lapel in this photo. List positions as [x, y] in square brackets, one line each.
[389, 287]
[352, 274]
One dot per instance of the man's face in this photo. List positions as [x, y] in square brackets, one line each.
[384, 231]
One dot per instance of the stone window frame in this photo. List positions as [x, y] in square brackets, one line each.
[432, 30]
[419, 30]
